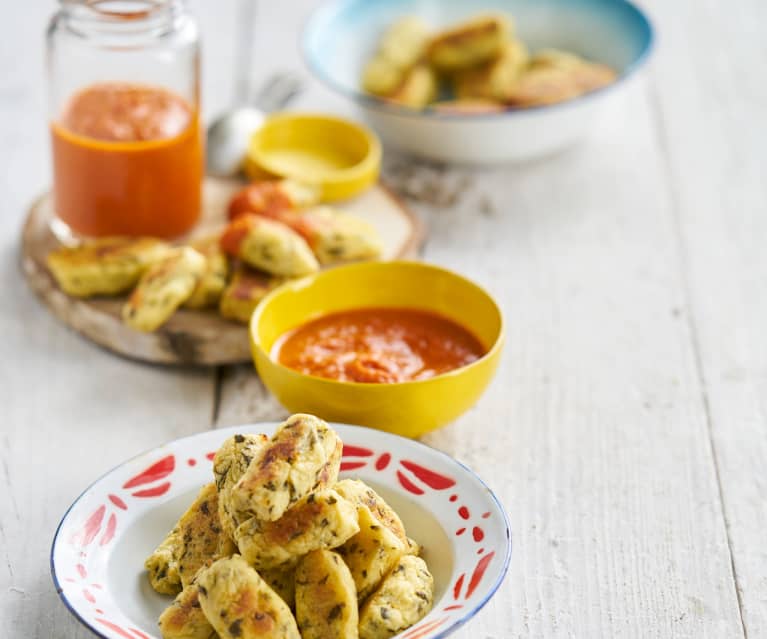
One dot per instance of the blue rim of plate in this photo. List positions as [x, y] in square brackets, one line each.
[379, 104]
[470, 614]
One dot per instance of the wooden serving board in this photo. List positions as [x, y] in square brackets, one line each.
[189, 337]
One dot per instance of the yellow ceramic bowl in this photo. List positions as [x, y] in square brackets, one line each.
[341, 157]
[409, 408]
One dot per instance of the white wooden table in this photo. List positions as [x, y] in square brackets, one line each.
[626, 432]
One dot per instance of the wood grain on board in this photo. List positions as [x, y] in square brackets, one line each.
[190, 336]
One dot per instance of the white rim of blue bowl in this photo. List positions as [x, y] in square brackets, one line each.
[378, 104]
[470, 614]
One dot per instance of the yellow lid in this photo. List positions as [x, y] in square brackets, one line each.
[341, 157]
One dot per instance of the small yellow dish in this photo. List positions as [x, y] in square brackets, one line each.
[341, 157]
[408, 408]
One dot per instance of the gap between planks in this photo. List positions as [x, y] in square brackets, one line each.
[218, 374]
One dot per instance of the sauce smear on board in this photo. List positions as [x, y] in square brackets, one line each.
[127, 160]
[378, 345]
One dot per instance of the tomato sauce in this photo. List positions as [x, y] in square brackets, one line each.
[378, 345]
[127, 160]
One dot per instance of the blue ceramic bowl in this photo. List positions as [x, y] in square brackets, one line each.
[342, 35]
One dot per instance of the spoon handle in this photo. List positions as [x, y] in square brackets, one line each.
[279, 89]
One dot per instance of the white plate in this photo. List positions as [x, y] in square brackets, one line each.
[99, 549]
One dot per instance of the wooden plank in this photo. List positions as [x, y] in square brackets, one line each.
[594, 434]
[276, 47]
[217, 22]
[713, 133]
[606, 469]
[70, 410]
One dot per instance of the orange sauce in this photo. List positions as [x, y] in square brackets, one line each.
[378, 345]
[127, 160]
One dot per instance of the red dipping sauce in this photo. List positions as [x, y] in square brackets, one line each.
[378, 345]
[127, 160]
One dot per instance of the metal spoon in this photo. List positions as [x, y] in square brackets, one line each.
[229, 134]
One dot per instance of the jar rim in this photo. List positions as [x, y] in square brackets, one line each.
[129, 16]
[122, 9]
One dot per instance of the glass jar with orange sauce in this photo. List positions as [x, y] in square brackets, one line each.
[124, 114]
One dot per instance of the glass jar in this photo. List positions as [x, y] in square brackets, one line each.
[124, 115]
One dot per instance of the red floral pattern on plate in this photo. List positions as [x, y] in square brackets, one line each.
[430, 478]
[93, 525]
[157, 471]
